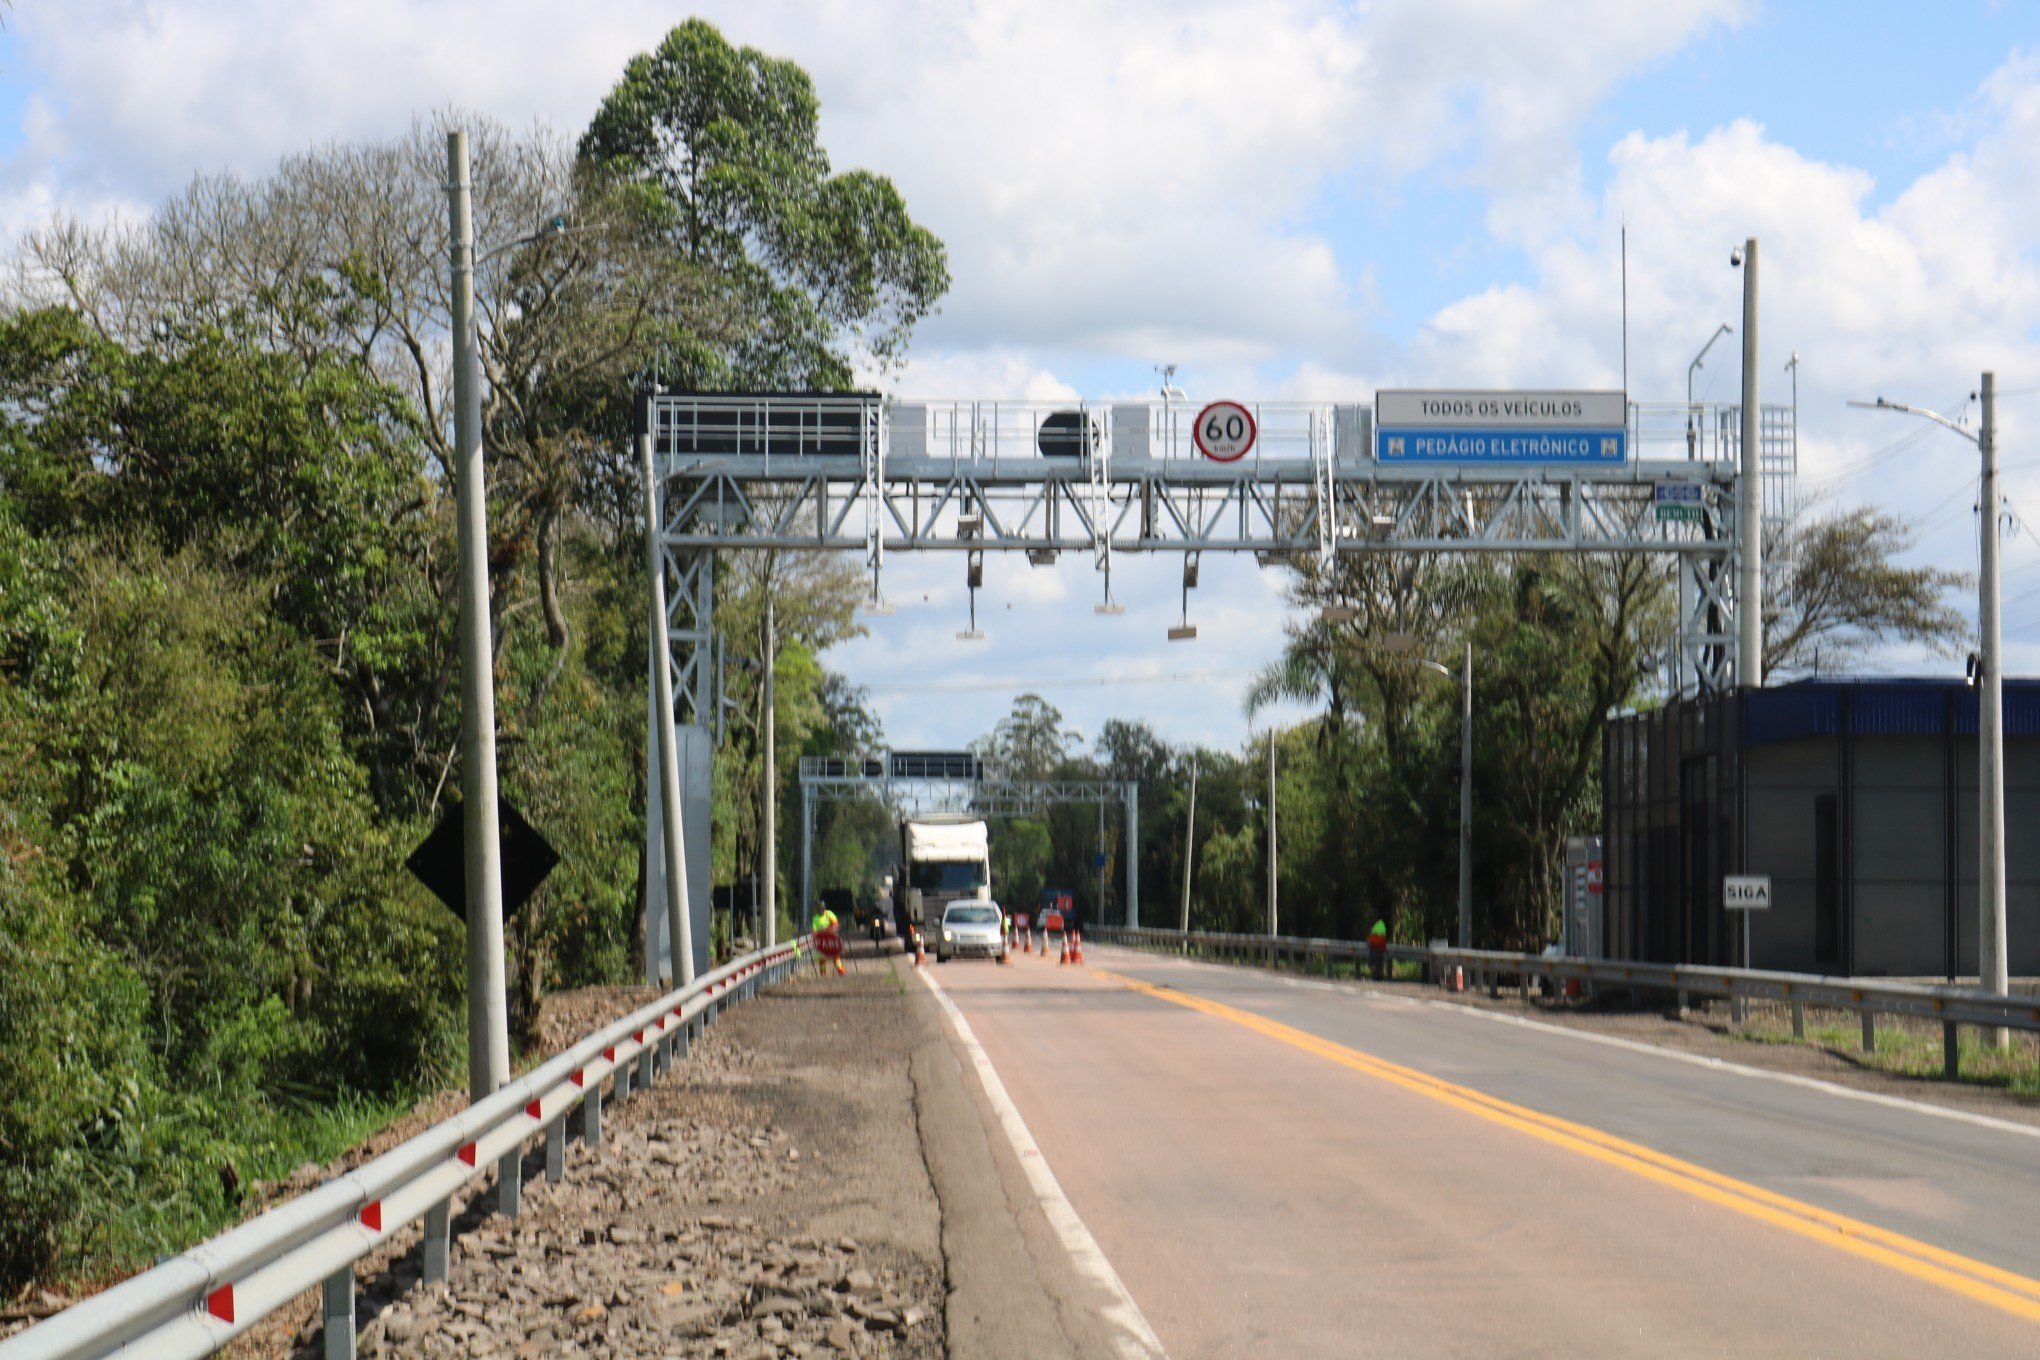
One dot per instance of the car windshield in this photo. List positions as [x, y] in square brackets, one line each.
[972, 916]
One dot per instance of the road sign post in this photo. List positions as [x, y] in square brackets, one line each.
[1746, 893]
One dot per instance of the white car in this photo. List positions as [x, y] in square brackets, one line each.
[971, 928]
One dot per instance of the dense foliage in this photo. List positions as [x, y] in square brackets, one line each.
[228, 684]
[1366, 795]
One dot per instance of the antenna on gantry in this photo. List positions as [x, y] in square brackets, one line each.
[1170, 392]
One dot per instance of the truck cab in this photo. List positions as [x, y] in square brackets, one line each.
[944, 858]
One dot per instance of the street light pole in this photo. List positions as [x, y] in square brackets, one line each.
[1750, 588]
[1465, 678]
[679, 913]
[1466, 803]
[488, 1018]
[1271, 830]
[1189, 845]
[1993, 966]
[769, 852]
[1692, 407]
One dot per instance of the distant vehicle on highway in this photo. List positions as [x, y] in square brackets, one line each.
[944, 858]
[971, 928]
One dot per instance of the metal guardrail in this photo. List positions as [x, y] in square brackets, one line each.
[1952, 1007]
[194, 1303]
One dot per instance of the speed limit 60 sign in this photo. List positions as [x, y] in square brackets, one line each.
[1224, 431]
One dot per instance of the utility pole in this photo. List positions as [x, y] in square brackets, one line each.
[769, 851]
[1991, 940]
[1271, 830]
[1466, 802]
[488, 1017]
[1101, 861]
[1987, 672]
[1750, 494]
[1189, 845]
[679, 931]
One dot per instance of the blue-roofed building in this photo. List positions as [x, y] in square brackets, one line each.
[1857, 797]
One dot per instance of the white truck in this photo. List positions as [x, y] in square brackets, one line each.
[944, 858]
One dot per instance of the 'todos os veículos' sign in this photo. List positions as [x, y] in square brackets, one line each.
[1424, 426]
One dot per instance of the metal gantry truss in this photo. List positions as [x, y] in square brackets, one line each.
[868, 475]
[907, 792]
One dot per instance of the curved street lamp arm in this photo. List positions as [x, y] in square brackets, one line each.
[1882, 405]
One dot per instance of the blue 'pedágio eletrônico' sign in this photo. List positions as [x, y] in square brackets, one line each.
[1500, 446]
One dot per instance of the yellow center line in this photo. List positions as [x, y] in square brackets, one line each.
[1973, 1279]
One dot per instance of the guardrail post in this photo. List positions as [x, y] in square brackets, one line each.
[644, 1068]
[1799, 1019]
[1869, 1031]
[1682, 1000]
[556, 1151]
[1951, 1050]
[438, 1225]
[339, 1311]
[591, 1116]
[510, 1182]
[620, 1083]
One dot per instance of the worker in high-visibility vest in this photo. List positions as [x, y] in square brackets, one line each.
[1377, 950]
[825, 923]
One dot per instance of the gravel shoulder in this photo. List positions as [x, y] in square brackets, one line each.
[768, 1199]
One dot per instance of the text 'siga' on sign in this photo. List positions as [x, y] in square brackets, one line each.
[1746, 892]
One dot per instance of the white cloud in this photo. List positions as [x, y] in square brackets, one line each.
[1133, 178]
[1148, 180]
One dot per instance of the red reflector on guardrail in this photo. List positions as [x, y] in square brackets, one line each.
[467, 1153]
[371, 1215]
[220, 1303]
[535, 1110]
[637, 1036]
[580, 1077]
[610, 1053]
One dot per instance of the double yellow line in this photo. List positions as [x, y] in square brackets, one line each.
[1973, 1279]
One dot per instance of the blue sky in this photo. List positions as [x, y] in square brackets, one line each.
[1291, 199]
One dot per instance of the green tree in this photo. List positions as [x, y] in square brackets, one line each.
[828, 267]
[1834, 588]
[1031, 741]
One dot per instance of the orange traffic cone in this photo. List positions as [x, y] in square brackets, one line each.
[1076, 948]
[1063, 956]
[920, 950]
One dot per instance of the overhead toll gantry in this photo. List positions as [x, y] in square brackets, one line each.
[1412, 472]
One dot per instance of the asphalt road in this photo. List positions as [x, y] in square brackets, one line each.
[1282, 1167]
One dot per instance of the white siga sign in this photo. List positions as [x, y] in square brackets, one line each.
[1746, 892]
[1474, 410]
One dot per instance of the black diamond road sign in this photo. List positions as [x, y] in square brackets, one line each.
[440, 865]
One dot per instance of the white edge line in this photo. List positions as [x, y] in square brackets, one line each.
[1982, 1121]
[1138, 1340]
